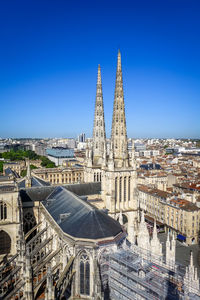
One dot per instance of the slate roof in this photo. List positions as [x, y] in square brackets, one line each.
[35, 193]
[78, 218]
[40, 193]
[81, 189]
[35, 182]
[9, 171]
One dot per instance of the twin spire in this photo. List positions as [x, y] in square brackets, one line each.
[119, 134]
[99, 133]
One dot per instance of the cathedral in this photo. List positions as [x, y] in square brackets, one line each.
[54, 244]
[116, 169]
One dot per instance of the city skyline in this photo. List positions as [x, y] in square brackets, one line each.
[50, 56]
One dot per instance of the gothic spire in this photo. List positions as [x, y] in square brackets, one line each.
[119, 135]
[28, 174]
[99, 134]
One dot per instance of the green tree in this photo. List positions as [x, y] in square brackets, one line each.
[47, 162]
[20, 155]
[1, 166]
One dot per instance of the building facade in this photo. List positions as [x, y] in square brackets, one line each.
[57, 176]
[177, 215]
[116, 170]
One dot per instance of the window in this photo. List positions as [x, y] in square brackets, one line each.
[84, 274]
[129, 187]
[29, 221]
[120, 189]
[115, 190]
[5, 242]
[3, 210]
[124, 188]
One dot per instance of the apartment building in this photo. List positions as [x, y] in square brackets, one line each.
[177, 215]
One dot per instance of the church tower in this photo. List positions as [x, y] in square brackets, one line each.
[119, 176]
[96, 156]
[119, 135]
[116, 171]
[99, 134]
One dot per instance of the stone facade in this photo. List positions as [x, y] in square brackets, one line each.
[116, 170]
[177, 215]
[9, 220]
[58, 176]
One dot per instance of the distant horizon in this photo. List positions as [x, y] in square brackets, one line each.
[50, 53]
[87, 137]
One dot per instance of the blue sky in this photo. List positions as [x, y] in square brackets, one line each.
[50, 50]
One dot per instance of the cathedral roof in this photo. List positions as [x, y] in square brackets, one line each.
[78, 218]
[35, 182]
[40, 193]
[9, 171]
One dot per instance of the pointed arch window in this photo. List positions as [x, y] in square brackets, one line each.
[3, 210]
[125, 188]
[129, 188]
[120, 189]
[5, 242]
[29, 221]
[84, 274]
[115, 190]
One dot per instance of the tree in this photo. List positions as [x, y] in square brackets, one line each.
[47, 162]
[1, 166]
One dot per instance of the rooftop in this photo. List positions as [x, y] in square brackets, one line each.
[78, 218]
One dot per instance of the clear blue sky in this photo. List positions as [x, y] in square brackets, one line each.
[50, 50]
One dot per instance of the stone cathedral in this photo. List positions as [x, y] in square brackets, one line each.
[55, 245]
[116, 170]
